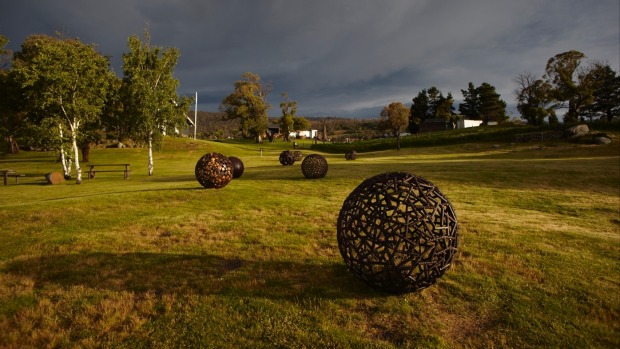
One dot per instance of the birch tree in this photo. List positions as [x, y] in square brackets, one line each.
[64, 81]
[151, 105]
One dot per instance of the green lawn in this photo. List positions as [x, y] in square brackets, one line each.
[160, 262]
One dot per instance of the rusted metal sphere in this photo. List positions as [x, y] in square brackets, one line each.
[214, 170]
[397, 232]
[350, 155]
[314, 166]
[287, 158]
[237, 166]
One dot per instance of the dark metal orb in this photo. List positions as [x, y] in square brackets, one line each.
[397, 232]
[287, 158]
[298, 155]
[237, 166]
[214, 170]
[350, 155]
[314, 166]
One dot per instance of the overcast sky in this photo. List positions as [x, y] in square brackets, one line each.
[346, 58]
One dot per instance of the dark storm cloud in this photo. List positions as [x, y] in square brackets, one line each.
[335, 57]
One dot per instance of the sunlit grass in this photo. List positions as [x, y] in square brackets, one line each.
[159, 262]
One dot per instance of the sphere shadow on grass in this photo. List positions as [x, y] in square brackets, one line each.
[397, 232]
[214, 170]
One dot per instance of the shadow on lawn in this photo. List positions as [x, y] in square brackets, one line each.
[192, 274]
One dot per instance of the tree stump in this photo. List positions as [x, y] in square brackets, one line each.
[397, 232]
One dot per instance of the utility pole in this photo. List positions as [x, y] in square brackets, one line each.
[196, 115]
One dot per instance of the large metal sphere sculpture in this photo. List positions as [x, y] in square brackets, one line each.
[287, 158]
[397, 232]
[237, 166]
[214, 170]
[314, 166]
[350, 155]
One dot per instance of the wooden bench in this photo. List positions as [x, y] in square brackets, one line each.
[10, 173]
[95, 168]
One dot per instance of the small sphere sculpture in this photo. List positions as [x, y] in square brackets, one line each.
[298, 155]
[314, 166]
[350, 155]
[237, 166]
[397, 232]
[214, 170]
[287, 158]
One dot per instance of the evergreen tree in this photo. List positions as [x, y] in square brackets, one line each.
[604, 84]
[492, 108]
[470, 108]
[483, 103]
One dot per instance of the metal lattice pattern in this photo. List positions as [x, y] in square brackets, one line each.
[397, 232]
[214, 170]
[287, 158]
[237, 166]
[314, 166]
[298, 155]
[350, 155]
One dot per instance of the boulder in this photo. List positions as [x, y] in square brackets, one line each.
[577, 131]
[601, 140]
[54, 178]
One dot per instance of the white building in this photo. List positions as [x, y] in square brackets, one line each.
[307, 134]
[463, 123]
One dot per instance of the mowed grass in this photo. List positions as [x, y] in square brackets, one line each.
[160, 262]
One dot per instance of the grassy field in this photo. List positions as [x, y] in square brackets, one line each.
[160, 262]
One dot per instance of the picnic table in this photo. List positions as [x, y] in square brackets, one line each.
[94, 168]
[10, 173]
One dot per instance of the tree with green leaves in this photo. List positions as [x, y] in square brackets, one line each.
[394, 118]
[483, 103]
[66, 81]
[10, 117]
[428, 104]
[470, 108]
[300, 123]
[533, 97]
[248, 102]
[287, 120]
[151, 105]
[604, 84]
[492, 107]
[561, 73]
[444, 109]
[419, 111]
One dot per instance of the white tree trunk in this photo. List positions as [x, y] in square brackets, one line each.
[150, 166]
[66, 163]
[76, 156]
